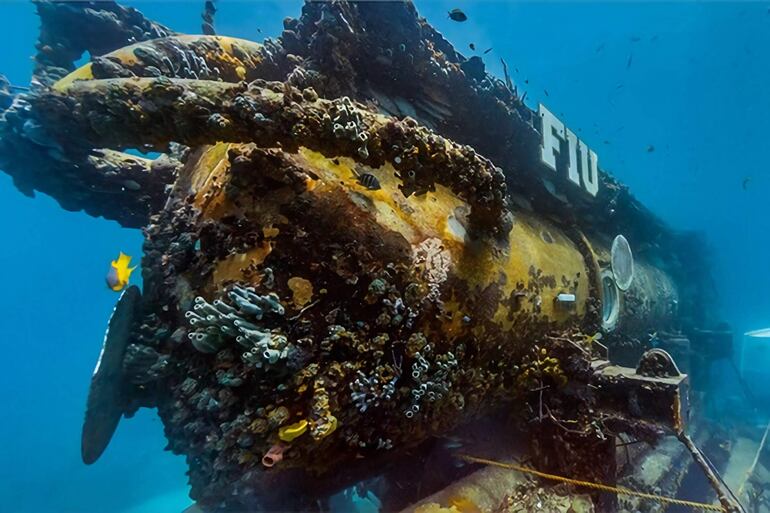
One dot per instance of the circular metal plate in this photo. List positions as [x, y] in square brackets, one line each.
[622, 262]
[610, 301]
[105, 396]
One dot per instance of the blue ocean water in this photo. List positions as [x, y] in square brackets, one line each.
[687, 78]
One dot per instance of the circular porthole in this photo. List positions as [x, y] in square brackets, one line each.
[622, 261]
[610, 300]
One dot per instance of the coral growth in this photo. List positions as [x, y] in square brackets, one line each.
[216, 324]
[430, 383]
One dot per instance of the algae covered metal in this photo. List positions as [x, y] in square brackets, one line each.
[340, 262]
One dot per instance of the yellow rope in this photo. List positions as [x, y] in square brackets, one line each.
[619, 490]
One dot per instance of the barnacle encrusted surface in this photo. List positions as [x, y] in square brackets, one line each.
[393, 347]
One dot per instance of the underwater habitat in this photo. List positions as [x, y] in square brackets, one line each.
[430, 256]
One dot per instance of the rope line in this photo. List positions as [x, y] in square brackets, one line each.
[619, 490]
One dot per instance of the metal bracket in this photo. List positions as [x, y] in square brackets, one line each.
[661, 398]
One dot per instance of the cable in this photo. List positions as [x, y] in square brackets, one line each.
[619, 490]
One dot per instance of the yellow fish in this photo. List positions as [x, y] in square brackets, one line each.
[120, 273]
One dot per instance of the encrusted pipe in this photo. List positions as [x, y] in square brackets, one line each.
[257, 114]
